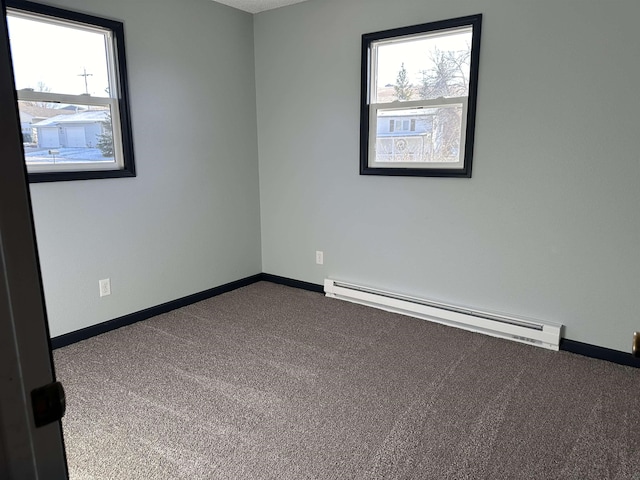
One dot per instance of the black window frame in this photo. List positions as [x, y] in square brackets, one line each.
[117, 30]
[473, 21]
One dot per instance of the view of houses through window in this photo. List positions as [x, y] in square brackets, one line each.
[62, 133]
[426, 68]
[69, 83]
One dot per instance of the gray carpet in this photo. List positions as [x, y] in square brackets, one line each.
[270, 382]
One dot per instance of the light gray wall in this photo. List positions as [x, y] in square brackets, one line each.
[190, 220]
[549, 225]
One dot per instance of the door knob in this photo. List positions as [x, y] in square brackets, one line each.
[48, 403]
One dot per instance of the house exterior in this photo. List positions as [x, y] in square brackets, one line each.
[405, 135]
[80, 130]
[31, 114]
[26, 120]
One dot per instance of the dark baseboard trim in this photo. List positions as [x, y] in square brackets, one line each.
[289, 282]
[600, 353]
[572, 346]
[93, 330]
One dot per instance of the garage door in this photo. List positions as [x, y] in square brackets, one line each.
[48, 137]
[75, 137]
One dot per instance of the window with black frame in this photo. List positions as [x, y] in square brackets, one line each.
[418, 104]
[70, 75]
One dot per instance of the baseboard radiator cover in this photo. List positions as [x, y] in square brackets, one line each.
[532, 332]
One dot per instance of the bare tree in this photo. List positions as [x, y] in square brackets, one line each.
[41, 87]
[448, 77]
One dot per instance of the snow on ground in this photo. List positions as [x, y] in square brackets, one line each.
[65, 155]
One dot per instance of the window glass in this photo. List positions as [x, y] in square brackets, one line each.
[426, 66]
[73, 134]
[54, 57]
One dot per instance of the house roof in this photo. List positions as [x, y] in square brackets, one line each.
[41, 112]
[89, 116]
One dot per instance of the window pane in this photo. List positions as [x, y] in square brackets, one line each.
[426, 66]
[69, 134]
[434, 137]
[51, 57]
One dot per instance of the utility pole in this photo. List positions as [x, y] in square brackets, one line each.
[85, 75]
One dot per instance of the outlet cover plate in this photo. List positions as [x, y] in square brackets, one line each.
[105, 287]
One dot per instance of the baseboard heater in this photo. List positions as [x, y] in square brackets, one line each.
[532, 332]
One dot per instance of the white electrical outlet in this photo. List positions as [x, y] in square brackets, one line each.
[319, 257]
[105, 287]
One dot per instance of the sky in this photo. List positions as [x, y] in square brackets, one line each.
[414, 55]
[57, 56]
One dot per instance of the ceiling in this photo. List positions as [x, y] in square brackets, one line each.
[255, 6]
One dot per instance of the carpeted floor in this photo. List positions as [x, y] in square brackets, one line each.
[270, 382]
